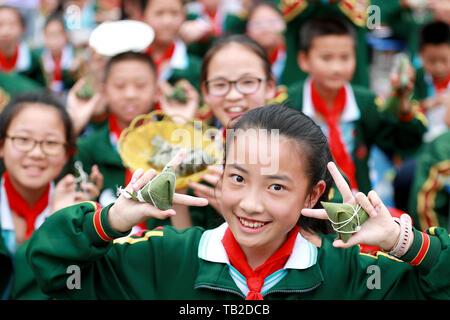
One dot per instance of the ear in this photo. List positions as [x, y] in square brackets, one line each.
[315, 194]
[303, 61]
[2, 146]
[204, 92]
[271, 89]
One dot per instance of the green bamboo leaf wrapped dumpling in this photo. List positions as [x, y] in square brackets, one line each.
[159, 191]
[178, 94]
[345, 218]
[86, 91]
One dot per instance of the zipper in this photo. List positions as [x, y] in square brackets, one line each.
[293, 291]
[220, 289]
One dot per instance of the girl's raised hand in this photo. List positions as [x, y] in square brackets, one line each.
[126, 213]
[379, 230]
[172, 107]
[212, 194]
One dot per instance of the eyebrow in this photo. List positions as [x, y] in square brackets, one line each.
[269, 177]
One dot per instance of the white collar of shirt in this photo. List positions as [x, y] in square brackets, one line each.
[24, 58]
[304, 253]
[179, 60]
[351, 111]
[66, 59]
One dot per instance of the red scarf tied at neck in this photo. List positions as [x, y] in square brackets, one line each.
[255, 278]
[19, 205]
[337, 146]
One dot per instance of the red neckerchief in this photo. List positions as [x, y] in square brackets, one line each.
[341, 156]
[8, 64]
[20, 207]
[115, 131]
[216, 29]
[255, 278]
[442, 85]
[166, 56]
[57, 69]
[274, 54]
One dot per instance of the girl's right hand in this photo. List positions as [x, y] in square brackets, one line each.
[125, 213]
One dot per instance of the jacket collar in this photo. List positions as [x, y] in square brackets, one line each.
[304, 254]
[303, 271]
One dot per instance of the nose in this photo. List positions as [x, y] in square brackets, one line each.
[251, 202]
[36, 151]
[130, 92]
[234, 93]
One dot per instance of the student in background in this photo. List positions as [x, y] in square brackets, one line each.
[15, 54]
[57, 57]
[167, 50]
[129, 91]
[266, 26]
[432, 84]
[36, 141]
[349, 113]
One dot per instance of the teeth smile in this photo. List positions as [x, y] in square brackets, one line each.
[251, 224]
[235, 109]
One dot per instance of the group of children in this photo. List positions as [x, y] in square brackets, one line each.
[238, 232]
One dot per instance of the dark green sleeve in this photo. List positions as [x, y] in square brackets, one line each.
[6, 267]
[380, 276]
[112, 266]
[70, 238]
[430, 201]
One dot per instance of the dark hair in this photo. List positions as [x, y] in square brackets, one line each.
[324, 26]
[19, 15]
[260, 4]
[129, 56]
[18, 103]
[315, 152]
[55, 16]
[434, 33]
[242, 40]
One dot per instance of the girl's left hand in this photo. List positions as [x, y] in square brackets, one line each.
[379, 230]
[173, 107]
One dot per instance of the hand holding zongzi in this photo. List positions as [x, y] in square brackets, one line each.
[378, 228]
[129, 210]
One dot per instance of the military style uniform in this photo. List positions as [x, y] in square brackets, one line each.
[363, 125]
[166, 263]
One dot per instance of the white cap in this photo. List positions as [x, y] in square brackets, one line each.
[114, 37]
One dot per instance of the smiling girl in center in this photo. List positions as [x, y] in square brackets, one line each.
[273, 245]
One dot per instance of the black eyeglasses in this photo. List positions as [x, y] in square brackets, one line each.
[49, 147]
[245, 85]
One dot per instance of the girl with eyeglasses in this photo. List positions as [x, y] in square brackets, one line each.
[235, 77]
[35, 144]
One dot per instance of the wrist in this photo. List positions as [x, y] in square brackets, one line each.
[393, 235]
[114, 220]
[403, 236]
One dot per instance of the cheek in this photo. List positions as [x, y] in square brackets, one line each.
[216, 103]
